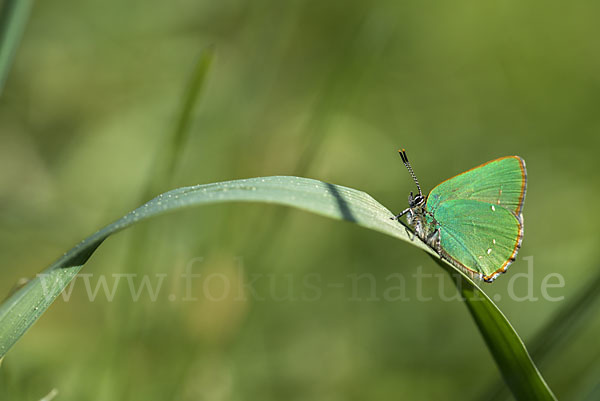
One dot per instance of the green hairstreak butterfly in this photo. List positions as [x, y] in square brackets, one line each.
[473, 220]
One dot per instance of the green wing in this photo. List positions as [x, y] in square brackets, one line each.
[478, 236]
[501, 182]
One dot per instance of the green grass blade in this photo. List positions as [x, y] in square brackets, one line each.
[166, 162]
[25, 306]
[560, 329]
[13, 18]
[508, 350]
[519, 372]
[171, 151]
[190, 99]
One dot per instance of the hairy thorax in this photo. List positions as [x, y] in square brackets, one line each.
[424, 225]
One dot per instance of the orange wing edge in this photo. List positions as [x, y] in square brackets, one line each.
[519, 210]
[491, 277]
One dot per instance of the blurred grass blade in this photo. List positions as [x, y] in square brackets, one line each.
[171, 150]
[51, 395]
[567, 320]
[26, 305]
[13, 18]
[590, 388]
[178, 139]
[516, 366]
[559, 330]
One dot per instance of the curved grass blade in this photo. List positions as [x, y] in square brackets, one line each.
[26, 305]
[517, 368]
[562, 328]
[13, 18]
[166, 160]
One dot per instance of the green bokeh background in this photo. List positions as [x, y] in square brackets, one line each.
[323, 89]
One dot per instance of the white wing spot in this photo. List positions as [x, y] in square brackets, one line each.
[480, 257]
[493, 208]
[494, 241]
[489, 251]
[498, 202]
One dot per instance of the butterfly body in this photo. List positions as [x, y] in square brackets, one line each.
[474, 220]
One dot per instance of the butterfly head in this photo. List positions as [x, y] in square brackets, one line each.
[417, 215]
[415, 200]
[416, 211]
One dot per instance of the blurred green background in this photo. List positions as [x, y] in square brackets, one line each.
[323, 89]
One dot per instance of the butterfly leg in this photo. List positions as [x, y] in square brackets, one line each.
[433, 240]
[396, 217]
[409, 219]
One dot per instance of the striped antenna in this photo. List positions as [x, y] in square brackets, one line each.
[410, 170]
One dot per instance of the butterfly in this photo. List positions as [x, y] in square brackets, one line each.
[473, 220]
